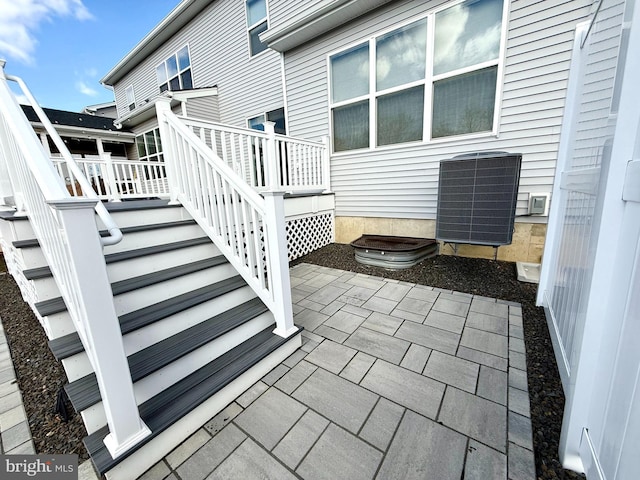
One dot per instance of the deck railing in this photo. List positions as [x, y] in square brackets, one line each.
[66, 231]
[247, 227]
[115, 178]
[292, 165]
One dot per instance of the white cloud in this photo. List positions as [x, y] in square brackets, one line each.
[85, 89]
[21, 18]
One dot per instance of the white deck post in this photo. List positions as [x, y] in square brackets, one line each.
[109, 172]
[279, 263]
[271, 157]
[170, 157]
[98, 326]
[326, 160]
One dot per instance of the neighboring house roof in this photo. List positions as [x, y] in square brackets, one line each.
[171, 24]
[319, 18]
[106, 109]
[71, 119]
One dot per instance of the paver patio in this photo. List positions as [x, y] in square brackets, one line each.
[393, 381]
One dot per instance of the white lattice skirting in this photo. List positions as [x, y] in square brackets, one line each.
[306, 234]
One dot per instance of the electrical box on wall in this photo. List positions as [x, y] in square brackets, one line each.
[539, 204]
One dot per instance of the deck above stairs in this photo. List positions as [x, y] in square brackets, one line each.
[194, 333]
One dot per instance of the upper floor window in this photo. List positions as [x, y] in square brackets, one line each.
[256, 24]
[131, 98]
[276, 116]
[388, 91]
[175, 72]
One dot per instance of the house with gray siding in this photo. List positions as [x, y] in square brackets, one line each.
[398, 87]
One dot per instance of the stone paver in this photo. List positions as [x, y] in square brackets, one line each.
[445, 321]
[487, 342]
[521, 463]
[382, 323]
[339, 454]
[407, 458]
[404, 387]
[520, 430]
[490, 308]
[223, 418]
[484, 463]
[415, 305]
[489, 323]
[294, 377]
[378, 344]
[332, 334]
[310, 319]
[429, 337]
[358, 367]
[450, 306]
[250, 395]
[295, 445]
[202, 463]
[476, 417]
[518, 379]
[187, 448]
[378, 304]
[483, 358]
[338, 399]
[451, 370]
[416, 358]
[492, 385]
[331, 356]
[270, 417]
[382, 423]
[344, 321]
[519, 402]
[393, 291]
[250, 462]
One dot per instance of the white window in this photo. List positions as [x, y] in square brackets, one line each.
[175, 72]
[276, 116]
[131, 98]
[149, 146]
[256, 24]
[388, 91]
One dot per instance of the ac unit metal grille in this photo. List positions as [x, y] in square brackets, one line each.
[477, 196]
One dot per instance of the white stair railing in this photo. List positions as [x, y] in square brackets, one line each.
[296, 166]
[68, 236]
[248, 228]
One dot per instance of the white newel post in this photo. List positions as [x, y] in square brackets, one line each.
[271, 157]
[164, 105]
[99, 324]
[108, 172]
[326, 158]
[279, 263]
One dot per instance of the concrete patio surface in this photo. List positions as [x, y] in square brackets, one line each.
[393, 381]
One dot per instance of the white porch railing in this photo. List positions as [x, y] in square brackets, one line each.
[115, 178]
[266, 160]
[248, 228]
[66, 230]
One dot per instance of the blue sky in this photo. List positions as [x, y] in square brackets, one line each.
[62, 48]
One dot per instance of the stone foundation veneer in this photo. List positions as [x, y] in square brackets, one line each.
[527, 244]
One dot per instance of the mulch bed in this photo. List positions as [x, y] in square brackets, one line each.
[40, 376]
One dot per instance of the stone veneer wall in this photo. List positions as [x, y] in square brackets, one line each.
[527, 244]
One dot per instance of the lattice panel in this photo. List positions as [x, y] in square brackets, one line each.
[304, 235]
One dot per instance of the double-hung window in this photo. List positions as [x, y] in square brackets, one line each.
[256, 24]
[435, 77]
[131, 98]
[175, 72]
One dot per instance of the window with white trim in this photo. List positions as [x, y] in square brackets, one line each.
[149, 146]
[256, 24]
[131, 98]
[435, 77]
[276, 116]
[175, 72]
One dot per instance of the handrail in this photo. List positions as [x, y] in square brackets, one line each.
[248, 228]
[115, 235]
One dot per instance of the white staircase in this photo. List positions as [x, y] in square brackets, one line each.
[189, 322]
[157, 326]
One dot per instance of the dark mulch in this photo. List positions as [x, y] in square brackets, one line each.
[40, 376]
[497, 280]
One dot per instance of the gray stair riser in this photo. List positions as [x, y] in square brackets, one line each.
[78, 365]
[143, 459]
[143, 297]
[46, 288]
[149, 386]
[160, 236]
[133, 218]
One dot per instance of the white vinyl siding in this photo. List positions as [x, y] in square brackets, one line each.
[205, 108]
[400, 181]
[219, 52]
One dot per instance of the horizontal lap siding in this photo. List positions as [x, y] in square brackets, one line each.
[217, 38]
[206, 108]
[402, 182]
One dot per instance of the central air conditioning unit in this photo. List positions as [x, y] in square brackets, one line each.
[477, 196]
